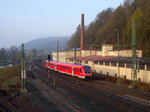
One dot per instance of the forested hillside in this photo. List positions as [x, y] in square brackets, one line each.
[110, 21]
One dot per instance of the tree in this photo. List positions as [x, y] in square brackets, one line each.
[106, 22]
[95, 26]
[13, 54]
[75, 39]
[139, 17]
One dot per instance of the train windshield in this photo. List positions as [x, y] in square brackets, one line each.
[87, 69]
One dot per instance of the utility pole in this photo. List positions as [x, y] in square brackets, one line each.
[117, 34]
[57, 51]
[90, 54]
[134, 56]
[23, 70]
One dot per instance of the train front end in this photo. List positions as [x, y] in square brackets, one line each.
[46, 63]
[87, 71]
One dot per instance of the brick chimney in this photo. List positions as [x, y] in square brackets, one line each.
[82, 32]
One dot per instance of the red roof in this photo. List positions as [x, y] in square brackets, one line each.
[94, 58]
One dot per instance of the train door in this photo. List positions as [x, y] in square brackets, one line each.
[55, 67]
[81, 71]
[77, 71]
[72, 70]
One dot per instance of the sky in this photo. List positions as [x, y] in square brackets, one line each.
[25, 20]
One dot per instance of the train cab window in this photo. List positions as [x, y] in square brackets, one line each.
[77, 69]
[81, 70]
[87, 69]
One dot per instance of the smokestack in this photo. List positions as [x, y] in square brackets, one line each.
[82, 32]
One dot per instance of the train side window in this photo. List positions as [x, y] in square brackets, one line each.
[80, 70]
[75, 69]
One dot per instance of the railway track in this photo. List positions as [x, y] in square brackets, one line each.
[9, 107]
[59, 100]
[101, 98]
[2, 110]
[38, 108]
[120, 106]
[26, 106]
[112, 88]
[122, 92]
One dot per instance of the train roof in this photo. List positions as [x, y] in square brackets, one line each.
[68, 64]
[141, 61]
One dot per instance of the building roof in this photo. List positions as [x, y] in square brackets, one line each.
[113, 59]
[94, 58]
[141, 61]
[121, 50]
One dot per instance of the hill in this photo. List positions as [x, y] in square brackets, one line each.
[49, 43]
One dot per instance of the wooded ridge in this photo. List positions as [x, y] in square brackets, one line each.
[109, 21]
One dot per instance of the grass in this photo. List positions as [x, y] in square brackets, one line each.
[10, 76]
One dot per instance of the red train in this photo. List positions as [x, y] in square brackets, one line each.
[81, 71]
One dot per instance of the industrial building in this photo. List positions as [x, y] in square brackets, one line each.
[106, 60]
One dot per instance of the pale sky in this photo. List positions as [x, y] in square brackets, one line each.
[25, 20]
